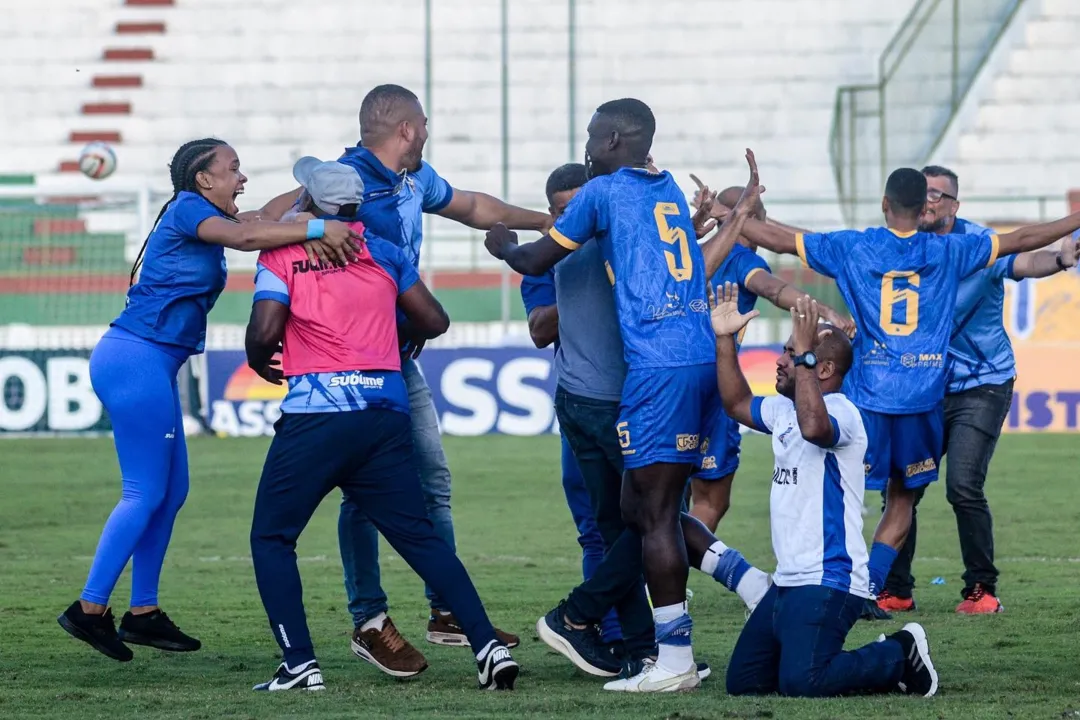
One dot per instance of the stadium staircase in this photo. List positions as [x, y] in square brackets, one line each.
[1020, 134]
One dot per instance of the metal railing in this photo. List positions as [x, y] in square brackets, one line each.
[923, 76]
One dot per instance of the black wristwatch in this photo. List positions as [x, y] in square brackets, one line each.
[807, 359]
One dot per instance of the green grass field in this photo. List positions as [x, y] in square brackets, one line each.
[516, 537]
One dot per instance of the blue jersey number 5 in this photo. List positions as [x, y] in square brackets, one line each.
[891, 296]
[681, 267]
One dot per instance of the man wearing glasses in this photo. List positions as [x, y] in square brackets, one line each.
[980, 374]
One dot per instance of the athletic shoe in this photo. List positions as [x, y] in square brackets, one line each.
[633, 667]
[582, 646]
[920, 677]
[97, 631]
[978, 601]
[497, 670]
[387, 650]
[654, 678]
[156, 630]
[871, 611]
[891, 603]
[306, 677]
[443, 629]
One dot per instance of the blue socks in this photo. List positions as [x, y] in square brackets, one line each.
[730, 568]
[881, 560]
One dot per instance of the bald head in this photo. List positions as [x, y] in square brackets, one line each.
[835, 347]
[731, 195]
[383, 110]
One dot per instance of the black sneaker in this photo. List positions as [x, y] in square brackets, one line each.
[920, 677]
[581, 646]
[497, 670]
[156, 630]
[871, 611]
[97, 631]
[306, 677]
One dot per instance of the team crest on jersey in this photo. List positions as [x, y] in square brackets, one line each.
[685, 442]
[784, 436]
[878, 354]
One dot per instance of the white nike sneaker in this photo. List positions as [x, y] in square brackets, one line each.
[497, 671]
[654, 678]
[306, 677]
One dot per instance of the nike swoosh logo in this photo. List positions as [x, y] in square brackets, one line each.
[496, 658]
[647, 685]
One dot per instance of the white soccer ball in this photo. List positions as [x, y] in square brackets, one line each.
[97, 161]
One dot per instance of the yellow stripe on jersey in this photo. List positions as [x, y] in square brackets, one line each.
[563, 240]
[751, 274]
[995, 248]
[903, 233]
[800, 248]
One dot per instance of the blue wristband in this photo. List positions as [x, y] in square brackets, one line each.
[315, 229]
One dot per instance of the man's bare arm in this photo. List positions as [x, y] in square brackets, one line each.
[544, 325]
[482, 211]
[1034, 237]
[785, 295]
[769, 236]
[734, 390]
[1044, 263]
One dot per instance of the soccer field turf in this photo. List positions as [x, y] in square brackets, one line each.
[516, 537]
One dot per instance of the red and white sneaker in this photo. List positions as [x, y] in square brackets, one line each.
[979, 602]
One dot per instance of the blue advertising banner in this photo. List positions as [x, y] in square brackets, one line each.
[476, 390]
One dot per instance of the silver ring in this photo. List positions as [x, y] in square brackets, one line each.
[801, 317]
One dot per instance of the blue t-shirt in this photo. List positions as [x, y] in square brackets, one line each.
[589, 361]
[901, 289]
[738, 267]
[642, 224]
[395, 203]
[539, 291]
[180, 280]
[980, 352]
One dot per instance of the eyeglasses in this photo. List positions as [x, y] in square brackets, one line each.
[934, 196]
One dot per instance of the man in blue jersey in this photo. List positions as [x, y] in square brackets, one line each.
[901, 287]
[980, 374]
[399, 188]
[751, 275]
[643, 226]
[793, 642]
[541, 309]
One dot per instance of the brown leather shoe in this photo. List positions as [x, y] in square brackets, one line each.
[443, 629]
[387, 650]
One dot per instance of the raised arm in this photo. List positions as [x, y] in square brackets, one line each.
[273, 210]
[727, 321]
[810, 410]
[770, 236]
[1034, 237]
[717, 248]
[265, 329]
[1047, 262]
[482, 211]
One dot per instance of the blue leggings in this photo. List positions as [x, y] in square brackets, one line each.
[136, 382]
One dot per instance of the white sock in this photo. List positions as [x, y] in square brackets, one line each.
[375, 623]
[712, 557]
[676, 659]
[487, 648]
[753, 586]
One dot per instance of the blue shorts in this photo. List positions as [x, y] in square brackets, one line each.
[720, 451]
[666, 415]
[907, 446]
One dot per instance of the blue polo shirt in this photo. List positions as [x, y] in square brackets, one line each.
[395, 203]
[980, 352]
[180, 280]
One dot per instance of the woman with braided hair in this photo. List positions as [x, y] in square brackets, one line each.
[133, 370]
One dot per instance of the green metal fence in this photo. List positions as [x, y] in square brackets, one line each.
[923, 76]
